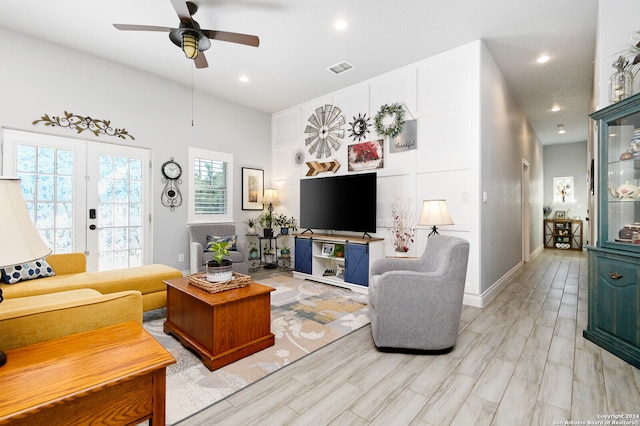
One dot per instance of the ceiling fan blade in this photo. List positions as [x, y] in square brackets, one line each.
[131, 27]
[183, 11]
[249, 40]
[201, 61]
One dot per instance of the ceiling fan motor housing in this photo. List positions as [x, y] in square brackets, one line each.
[176, 36]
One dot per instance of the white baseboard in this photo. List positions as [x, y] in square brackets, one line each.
[483, 300]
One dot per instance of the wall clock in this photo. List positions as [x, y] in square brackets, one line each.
[359, 127]
[171, 196]
[324, 130]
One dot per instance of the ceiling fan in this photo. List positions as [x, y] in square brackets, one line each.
[190, 37]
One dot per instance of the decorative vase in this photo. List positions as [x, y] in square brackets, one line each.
[284, 231]
[401, 252]
[251, 231]
[219, 272]
[285, 254]
[254, 254]
[621, 82]
[268, 232]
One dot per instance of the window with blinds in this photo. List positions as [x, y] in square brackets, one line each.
[210, 179]
[211, 186]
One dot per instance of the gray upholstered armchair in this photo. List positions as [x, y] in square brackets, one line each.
[416, 303]
[199, 236]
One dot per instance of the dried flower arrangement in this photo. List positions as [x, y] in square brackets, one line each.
[403, 229]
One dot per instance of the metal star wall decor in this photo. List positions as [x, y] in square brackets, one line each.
[359, 127]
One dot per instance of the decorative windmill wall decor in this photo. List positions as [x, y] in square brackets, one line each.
[324, 131]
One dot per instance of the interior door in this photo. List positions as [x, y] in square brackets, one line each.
[118, 218]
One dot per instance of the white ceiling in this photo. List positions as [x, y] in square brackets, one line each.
[298, 43]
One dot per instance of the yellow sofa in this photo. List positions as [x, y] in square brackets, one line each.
[71, 274]
[74, 300]
[33, 319]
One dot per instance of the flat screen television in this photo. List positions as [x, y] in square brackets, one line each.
[339, 203]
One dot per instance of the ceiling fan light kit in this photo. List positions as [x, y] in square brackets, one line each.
[190, 45]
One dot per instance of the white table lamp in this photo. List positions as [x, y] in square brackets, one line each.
[21, 241]
[435, 213]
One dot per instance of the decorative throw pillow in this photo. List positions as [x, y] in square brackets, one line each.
[27, 271]
[231, 239]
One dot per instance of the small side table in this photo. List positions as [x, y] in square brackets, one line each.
[112, 375]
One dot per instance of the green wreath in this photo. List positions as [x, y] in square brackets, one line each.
[395, 128]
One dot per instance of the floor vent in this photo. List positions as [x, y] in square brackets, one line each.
[341, 67]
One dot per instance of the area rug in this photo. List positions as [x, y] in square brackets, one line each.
[305, 316]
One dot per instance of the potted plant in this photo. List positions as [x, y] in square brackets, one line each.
[269, 255]
[285, 251]
[253, 251]
[219, 268]
[289, 223]
[251, 225]
[266, 222]
[338, 250]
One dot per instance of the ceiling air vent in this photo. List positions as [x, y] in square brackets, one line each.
[341, 67]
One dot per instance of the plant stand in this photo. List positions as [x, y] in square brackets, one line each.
[254, 265]
[284, 264]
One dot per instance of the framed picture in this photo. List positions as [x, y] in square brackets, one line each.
[340, 271]
[563, 189]
[559, 214]
[252, 188]
[327, 249]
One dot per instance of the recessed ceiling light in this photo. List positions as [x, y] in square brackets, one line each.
[340, 25]
[555, 108]
[244, 79]
[561, 129]
[543, 59]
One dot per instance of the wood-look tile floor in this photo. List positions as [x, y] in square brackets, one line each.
[520, 361]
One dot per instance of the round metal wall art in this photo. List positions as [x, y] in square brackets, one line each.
[324, 131]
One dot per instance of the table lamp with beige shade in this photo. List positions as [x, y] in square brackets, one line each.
[435, 213]
[21, 241]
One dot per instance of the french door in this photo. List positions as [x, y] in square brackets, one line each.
[84, 196]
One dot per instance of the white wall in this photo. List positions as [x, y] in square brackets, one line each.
[37, 77]
[507, 141]
[444, 94]
[617, 21]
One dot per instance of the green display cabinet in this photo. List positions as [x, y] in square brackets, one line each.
[614, 262]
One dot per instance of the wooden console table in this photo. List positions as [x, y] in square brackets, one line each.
[220, 327]
[565, 234]
[113, 375]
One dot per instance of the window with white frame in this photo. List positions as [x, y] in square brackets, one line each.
[210, 186]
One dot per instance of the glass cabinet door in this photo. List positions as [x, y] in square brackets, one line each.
[619, 188]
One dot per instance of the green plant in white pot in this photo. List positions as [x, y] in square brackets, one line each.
[251, 225]
[219, 269]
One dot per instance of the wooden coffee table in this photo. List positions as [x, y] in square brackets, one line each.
[113, 375]
[220, 327]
